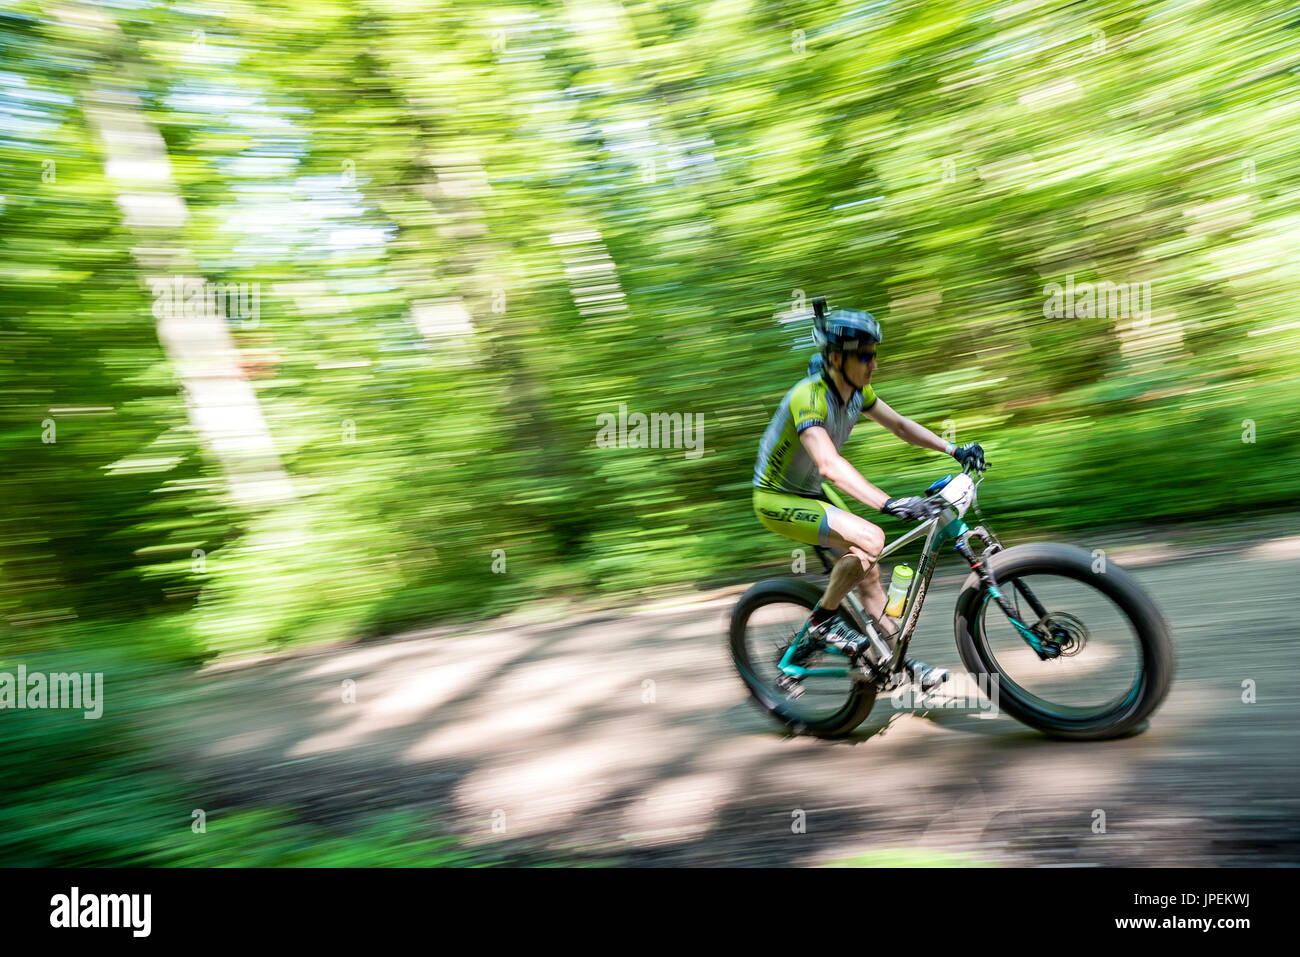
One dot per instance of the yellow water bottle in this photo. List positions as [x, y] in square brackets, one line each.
[899, 586]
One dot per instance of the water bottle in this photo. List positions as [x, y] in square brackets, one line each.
[899, 585]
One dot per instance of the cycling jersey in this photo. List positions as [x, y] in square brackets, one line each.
[783, 464]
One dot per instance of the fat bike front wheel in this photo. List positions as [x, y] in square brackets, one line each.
[1111, 661]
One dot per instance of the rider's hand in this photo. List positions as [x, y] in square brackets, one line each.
[914, 508]
[972, 455]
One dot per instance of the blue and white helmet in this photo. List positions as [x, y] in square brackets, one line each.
[843, 330]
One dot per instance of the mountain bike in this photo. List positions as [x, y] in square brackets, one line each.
[1069, 642]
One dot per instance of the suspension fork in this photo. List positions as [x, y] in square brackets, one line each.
[1043, 647]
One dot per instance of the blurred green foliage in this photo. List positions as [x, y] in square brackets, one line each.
[384, 172]
[94, 793]
[475, 227]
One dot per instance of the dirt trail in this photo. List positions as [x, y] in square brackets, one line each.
[628, 736]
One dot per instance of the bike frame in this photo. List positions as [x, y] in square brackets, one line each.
[947, 526]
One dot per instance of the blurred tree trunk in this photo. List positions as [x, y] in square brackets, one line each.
[223, 407]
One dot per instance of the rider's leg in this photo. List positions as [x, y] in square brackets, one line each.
[863, 542]
[873, 598]
[846, 574]
[818, 522]
[871, 592]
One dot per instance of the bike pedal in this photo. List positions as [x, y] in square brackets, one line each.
[926, 678]
[933, 681]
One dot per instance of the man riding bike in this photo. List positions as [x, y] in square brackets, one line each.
[801, 448]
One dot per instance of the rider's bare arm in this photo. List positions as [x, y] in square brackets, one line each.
[903, 427]
[837, 469]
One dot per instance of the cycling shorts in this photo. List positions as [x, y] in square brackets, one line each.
[806, 520]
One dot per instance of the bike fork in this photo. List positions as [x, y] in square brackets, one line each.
[1043, 648]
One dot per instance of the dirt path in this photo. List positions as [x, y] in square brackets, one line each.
[629, 736]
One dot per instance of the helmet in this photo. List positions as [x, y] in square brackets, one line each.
[843, 330]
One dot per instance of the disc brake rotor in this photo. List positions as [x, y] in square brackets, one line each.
[1068, 631]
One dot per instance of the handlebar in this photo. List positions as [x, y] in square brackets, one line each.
[966, 470]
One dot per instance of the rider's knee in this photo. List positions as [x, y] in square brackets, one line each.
[870, 541]
[865, 562]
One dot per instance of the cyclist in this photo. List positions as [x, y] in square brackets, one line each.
[801, 448]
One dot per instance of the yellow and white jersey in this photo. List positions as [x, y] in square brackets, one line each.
[783, 465]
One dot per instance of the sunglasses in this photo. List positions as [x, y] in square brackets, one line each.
[864, 356]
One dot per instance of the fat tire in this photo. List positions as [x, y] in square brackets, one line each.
[1157, 668]
[860, 700]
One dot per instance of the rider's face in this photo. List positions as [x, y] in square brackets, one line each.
[858, 367]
